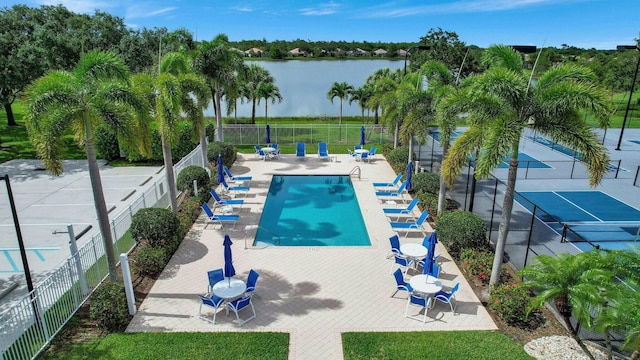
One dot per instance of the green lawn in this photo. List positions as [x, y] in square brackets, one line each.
[193, 346]
[445, 345]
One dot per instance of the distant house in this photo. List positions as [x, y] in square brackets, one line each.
[360, 52]
[297, 52]
[402, 52]
[253, 52]
[380, 52]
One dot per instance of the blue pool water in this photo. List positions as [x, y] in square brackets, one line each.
[309, 210]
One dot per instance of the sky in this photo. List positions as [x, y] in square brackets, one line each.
[600, 24]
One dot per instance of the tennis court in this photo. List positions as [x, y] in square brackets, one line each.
[525, 161]
[598, 218]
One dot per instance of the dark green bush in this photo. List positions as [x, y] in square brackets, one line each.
[228, 152]
[426, 182]
[106, 143]
[398, 158]
[149, 260]
[183, 147]
[511, 302]
[429, 202]
[210, 131]
[187, 215]
[198, 173]
[478, 263]
[185, 141]
[461, 229]
[108, 306]
[155, 226]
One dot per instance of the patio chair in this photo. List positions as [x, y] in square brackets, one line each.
[220, 219]
[392, 184]
[236, 178]
[416, 300]
[398, 193]
[277, 152]
[395, 246]
[251, 283]
[235, 189]
[214, 276]
[408, 226]
[372, 153]
[357, 147]
[323, 153]
[364, 157]
[435, 273]
[300, 150]
[402, 262]
[213, 302]
[446, 297]
[401, 211]
[225, 202]
[401, 285]
[257, 147]
[239, 304]
[262, 155]
[436, 261]
[352, 155]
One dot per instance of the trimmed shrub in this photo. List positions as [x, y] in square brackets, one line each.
[478, 263]
[106, 143]
[155, 226]
[228, 152]
[149, 261]
[511, 302]
[426, 182]
[461, 229]
[187, 215]
[198, 173]
[185, 141]
[108, 307]
[398, 158]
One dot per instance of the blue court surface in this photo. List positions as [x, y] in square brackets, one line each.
[635, 141]
[436, 135]
[597, 217]
[567, 151]
[525, 161]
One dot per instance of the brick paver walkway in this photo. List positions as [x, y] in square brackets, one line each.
[313, 293]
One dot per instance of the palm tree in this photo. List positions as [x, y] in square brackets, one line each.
[342, 91]
[178, 91]
[502, 102]
[361, 95]
[253, 79]
[371, 81]
[97, 90]
[220, 65]
[574, 282]
[268, 91]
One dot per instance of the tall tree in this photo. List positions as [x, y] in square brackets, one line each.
[503, 101]
[268, 91]
[220, 65]
[362, 96]
[97, 90]
[254, 77]
[342, 91]
[371, 81]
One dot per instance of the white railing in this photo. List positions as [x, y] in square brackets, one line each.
[29, 325]
[289, 134]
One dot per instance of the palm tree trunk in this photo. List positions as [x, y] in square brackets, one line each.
[253, 111]
[171, 181]
[219, 115]
[375, 117]
[442, 192]
[507, 206]
[340, 122]
[266, 118]
[574, 334]
[203, 147]
[11, 121]
[395, 136]
[101, 206]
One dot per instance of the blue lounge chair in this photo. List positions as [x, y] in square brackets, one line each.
[300, 150]
[236, 178]
[220, 219]
[398, 193]
[401, 211]
[234, 189]
[323, 153]
[408, 226]
[392, 184]
[372, 153]
[224, 202]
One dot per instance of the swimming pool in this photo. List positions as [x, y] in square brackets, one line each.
[311, 210]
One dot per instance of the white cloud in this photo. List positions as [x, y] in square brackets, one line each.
[244, 8]
[145, 10]
[80, 6]
[461, 6]
[322, 9]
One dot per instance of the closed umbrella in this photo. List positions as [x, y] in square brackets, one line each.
[362, 135]
[220, 170]
[409, 173]
[268, 137]
[431, 249]
[229, 270]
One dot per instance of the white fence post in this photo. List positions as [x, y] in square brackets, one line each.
[73, 247]
[128, 285]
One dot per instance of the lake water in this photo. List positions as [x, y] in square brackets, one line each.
[304, 86]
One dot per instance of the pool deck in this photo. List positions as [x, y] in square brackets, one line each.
[312, 293]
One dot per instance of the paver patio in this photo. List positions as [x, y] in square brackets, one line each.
[313, 293]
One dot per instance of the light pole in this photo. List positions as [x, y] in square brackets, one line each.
[419, 47]
[635, 75]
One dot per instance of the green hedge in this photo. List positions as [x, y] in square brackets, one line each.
[155, 226]
[109, 307]
[461, 229]
[426, 182]
[106, 143]
[228, 152]
[398, 158]
[200, 175]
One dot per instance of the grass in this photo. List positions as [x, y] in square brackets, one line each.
[446, 345]
[133, 346]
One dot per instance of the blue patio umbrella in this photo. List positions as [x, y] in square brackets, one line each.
[362, 135]
[220, 178]
[409, 174]
[229, 270]
[268, 137]
[431, 249]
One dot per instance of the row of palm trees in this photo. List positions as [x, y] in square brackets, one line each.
[101, 90]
